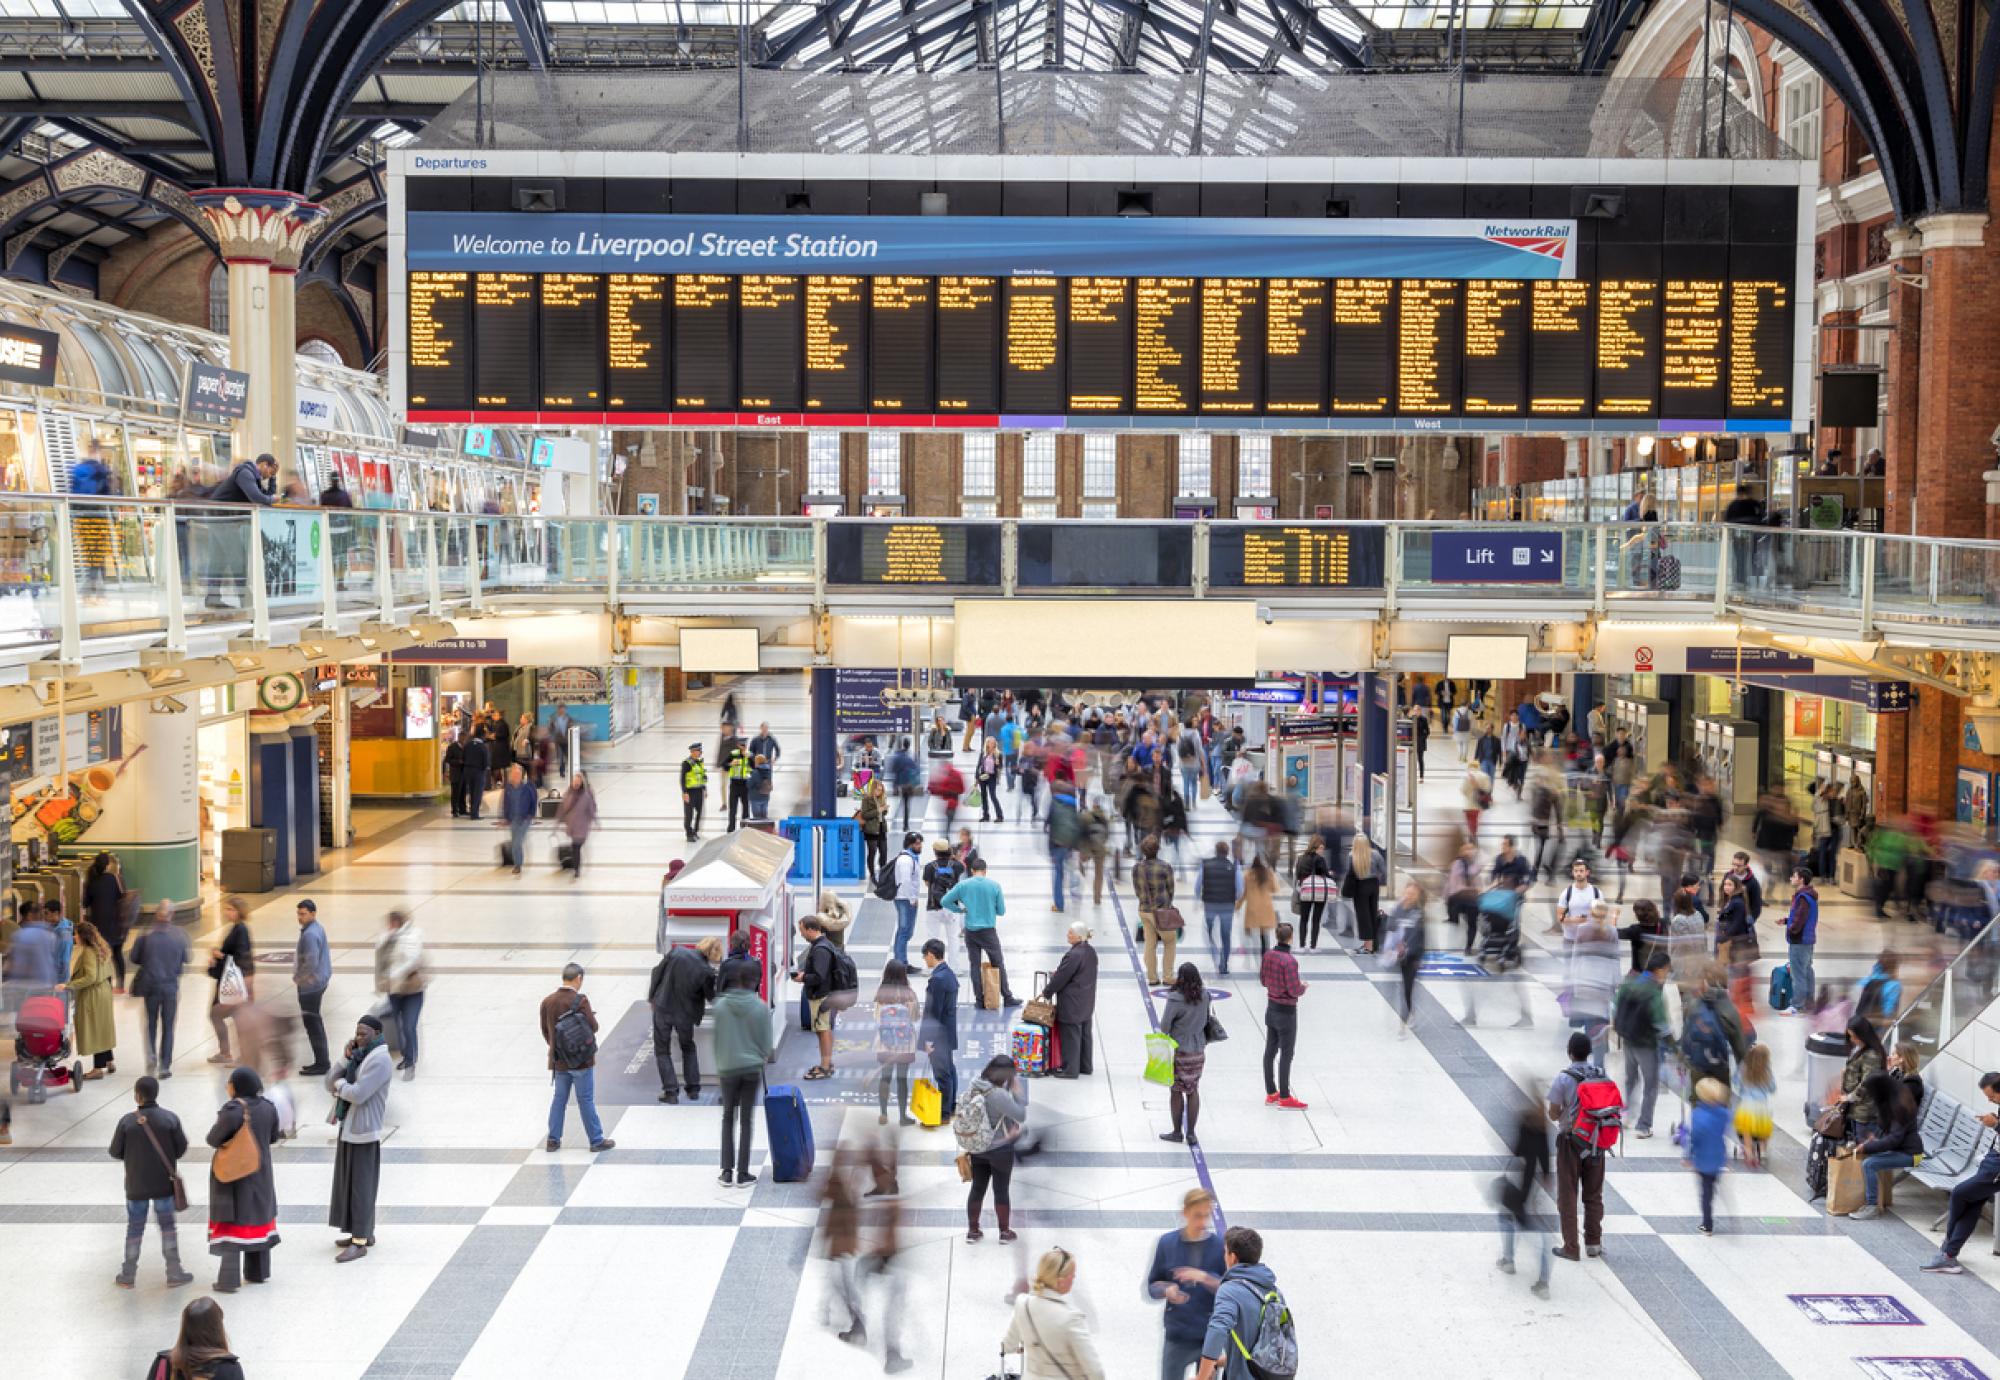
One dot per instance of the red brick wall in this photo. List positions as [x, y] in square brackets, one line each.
[1956, 392]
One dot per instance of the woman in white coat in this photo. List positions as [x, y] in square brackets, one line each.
[1050, 1335]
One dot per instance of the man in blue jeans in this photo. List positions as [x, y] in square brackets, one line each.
[518, 807]
[1220, 886]
[909, 873]
[1969, 1199]
[578, 1072]
[1801, 933]
[150, 1142]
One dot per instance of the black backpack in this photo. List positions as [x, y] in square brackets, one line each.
[841, 977]
[574, 1042]
[1633, 1019]
[885, 881]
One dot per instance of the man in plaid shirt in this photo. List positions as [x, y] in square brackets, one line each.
[1153, 881]
[1280, 976]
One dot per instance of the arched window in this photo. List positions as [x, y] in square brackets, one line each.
[218, 298]
[320, 351]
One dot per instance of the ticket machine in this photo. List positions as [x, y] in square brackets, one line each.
[1647, 719]
[1736, 764]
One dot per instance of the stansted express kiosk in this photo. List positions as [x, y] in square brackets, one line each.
[731, 884]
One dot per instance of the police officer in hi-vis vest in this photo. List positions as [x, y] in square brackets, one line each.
[736, 767]
[694, 789]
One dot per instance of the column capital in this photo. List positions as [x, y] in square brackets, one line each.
[1904, 241]
[1992, 478]
[1953, 230]
[256, 226]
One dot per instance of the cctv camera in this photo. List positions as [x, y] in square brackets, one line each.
[1264, 612]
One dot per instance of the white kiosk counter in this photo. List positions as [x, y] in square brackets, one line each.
[731, 884]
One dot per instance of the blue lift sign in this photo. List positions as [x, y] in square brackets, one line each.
[1496, 558]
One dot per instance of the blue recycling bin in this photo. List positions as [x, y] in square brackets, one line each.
[844, 858]
[799, 829]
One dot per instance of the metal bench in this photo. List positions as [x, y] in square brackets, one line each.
[1957, 1158]
[1939, 1115]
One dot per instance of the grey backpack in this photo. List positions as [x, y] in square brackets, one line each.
[1274, 1353]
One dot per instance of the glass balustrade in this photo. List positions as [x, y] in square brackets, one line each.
[1953, 999]
[122, 552]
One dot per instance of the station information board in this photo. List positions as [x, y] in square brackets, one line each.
[1685, 342]
[1094, 555]
[913, 553]
[1267, 556]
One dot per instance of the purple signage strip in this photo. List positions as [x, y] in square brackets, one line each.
[455, 651]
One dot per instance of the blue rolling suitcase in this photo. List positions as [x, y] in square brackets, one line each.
[789, 1131]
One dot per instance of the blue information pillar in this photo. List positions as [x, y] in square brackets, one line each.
[1377, 740]
[1588, 693]
[825, 745]
[272, 801]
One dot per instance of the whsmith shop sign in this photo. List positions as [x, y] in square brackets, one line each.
[1007, 246]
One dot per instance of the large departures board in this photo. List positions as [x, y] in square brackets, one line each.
[1691, 324]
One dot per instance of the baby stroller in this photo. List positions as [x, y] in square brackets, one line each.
[41, 1044]
[1500, 919]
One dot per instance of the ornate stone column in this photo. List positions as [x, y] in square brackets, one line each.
[262, 234]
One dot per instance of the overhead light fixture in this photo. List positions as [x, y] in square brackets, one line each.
[1646, 445]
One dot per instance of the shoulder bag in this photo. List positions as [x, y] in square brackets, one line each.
[238, 1158]
[1028, 1312]
[1832, 1122]
[180, 1189]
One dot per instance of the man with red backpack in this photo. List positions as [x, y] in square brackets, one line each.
[1589, 1113]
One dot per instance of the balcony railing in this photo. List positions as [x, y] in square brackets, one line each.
[93, 568]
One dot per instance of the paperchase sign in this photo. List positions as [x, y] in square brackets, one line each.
[217, 392]
[572, 685]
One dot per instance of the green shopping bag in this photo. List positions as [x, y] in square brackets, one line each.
[974, 800]
[1160, 1059]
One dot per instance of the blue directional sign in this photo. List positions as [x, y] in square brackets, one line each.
[1496, 558]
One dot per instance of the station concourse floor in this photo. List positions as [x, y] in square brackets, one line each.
[497, 1259]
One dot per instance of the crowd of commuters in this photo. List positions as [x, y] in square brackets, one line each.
[1676, 977]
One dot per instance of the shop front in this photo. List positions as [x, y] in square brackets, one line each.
[223, 751]
[393, 723]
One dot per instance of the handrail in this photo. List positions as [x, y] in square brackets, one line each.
[1839, 584]
[1955, 996]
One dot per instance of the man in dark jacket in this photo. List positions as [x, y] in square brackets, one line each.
[816, 976]
[249, 482]
[1074, 987]
[579, 1074]
[454, 771]
[518, 807]
[1187, 1270]
[158, 958]
[683, 985]
[940, 1023]
[228, 561]
[150, 1142]
[477, 760]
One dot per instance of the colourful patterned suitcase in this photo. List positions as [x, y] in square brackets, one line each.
[1031, 1046]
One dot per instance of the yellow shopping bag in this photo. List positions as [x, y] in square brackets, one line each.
[926, 1102]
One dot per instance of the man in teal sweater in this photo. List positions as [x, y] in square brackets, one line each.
[982, 903]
